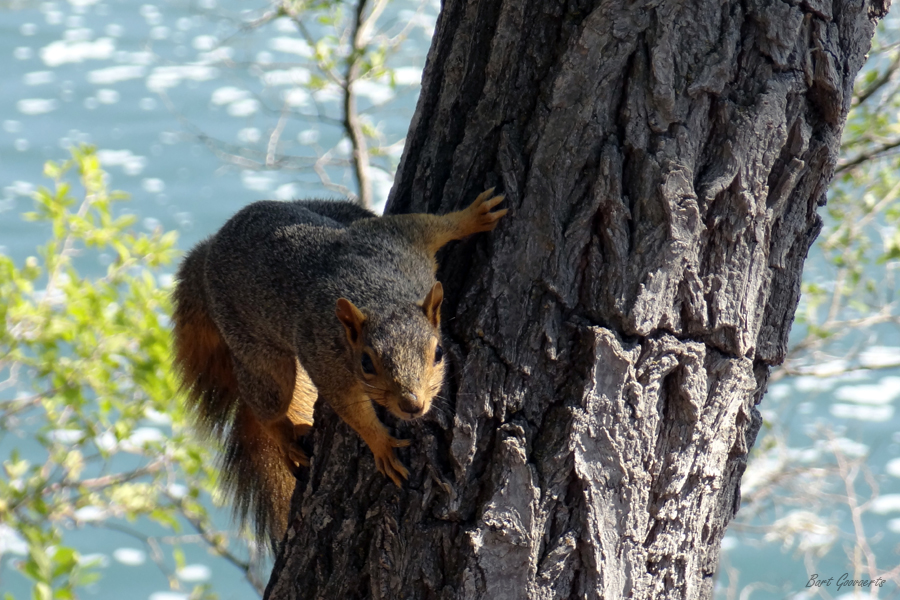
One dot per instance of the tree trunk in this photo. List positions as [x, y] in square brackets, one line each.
[663, 162]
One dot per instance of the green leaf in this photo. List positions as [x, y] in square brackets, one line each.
[42, 591]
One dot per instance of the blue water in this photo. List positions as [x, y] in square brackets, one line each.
[164, 90]
[169, 94]
[144, 82]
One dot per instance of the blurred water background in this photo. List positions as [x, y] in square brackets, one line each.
[171, 92]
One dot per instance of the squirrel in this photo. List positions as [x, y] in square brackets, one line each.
[292, 301]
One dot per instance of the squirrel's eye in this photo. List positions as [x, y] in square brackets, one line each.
[438, 354]
[368, 366]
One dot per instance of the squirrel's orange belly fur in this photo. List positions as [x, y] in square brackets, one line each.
[349, 338]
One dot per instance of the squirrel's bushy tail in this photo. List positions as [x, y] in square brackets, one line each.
[255, 475]
[254, 472]
[201, 355]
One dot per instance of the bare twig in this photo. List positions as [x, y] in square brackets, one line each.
[294, 15]
[149, 541]
[233, 154]
[106, 481]
[840, 326]
[217, 542]
[358, 39]
[788, 371]
[879, 151]
[319, 167]
[352, 122]
[862, 552]
[400, 37]
[854, 226]
[885, 77]
[275, 137]
[13, 379]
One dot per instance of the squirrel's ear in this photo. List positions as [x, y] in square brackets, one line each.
[352, 318]
[432, 304]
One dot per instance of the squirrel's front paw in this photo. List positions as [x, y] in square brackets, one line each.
[479, 216]
[387, 462]
[296, 458]
[296, 454]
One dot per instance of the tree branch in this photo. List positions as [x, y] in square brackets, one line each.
[876, 152]
[351, 117]
[880, 82]
[217, 543]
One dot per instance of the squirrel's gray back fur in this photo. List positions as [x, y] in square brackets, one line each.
[277, 269]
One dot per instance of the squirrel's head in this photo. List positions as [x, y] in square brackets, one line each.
[398, 356]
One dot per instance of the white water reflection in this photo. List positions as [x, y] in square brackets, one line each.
[36, 106]
[130, 556]
[65, 51]
[117, 74]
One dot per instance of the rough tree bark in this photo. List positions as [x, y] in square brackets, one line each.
[663, 162]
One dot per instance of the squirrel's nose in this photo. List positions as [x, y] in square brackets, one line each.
[409, 403]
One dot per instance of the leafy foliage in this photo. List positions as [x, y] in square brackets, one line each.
[850, 294]
[102, 400]
[800, 487]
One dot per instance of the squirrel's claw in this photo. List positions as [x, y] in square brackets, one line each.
[296, 459]
[479, 216]
[484, 196]
[387, 462]
[297, 455]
